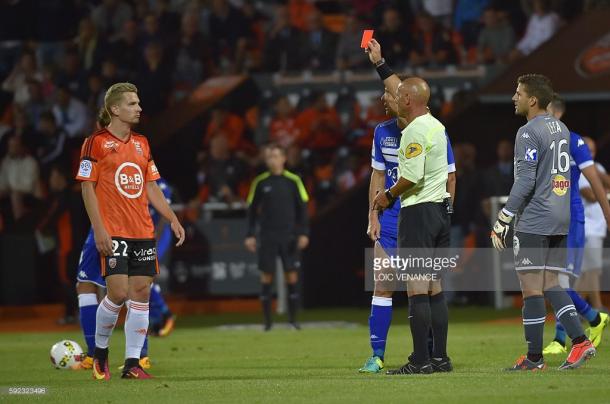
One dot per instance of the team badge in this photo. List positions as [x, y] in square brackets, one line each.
[413, 150]
[84, 170]
[560, 184]
[531, 154]
[138, 147]
[112, 263]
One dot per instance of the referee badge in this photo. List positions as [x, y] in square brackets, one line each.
[413, 150]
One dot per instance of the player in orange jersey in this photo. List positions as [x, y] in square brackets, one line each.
[118, 178]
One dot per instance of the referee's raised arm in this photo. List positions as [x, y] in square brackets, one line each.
[389, 78]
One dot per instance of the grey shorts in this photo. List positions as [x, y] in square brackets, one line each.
[534, 252]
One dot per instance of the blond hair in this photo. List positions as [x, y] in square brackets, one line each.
[113, 96]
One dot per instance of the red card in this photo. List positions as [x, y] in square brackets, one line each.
[367, 35]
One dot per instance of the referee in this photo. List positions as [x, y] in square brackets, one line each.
[424, 221]
[278, 203]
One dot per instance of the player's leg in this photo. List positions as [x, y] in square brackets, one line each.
[381, 308]
[267, 253]
[108, 313]
[162, 320]
[136, 324]
[530, 252]
[564, 308]
[289, 256]
[88, 280]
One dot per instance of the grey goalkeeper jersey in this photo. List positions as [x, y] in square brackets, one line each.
[540, 195]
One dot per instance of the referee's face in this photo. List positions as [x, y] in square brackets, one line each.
[275, 159]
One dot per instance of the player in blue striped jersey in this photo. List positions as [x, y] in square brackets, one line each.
[89, 278]
[581, 161]
[383, 227]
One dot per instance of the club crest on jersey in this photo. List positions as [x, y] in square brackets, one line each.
[413, 150]
[390, 141]
[531, 154]
[560, 184]
[129, 180]
[112, 263]
[138, 147]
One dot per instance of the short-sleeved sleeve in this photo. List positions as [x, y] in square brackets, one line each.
[412, 155]
[580, 152]
[450, 158]
[89, 156]
[152, 173]
[377, 161]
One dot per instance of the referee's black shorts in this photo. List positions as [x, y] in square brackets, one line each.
[271, 247]
[424, 226]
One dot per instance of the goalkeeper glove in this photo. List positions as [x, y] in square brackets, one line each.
[500, 230]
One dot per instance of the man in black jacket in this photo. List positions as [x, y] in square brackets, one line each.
[278, 202]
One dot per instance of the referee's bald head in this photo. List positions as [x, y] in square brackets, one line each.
[413, 93]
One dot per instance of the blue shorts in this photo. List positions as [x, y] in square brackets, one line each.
[388, 243]
[89, 266]
[576, 245]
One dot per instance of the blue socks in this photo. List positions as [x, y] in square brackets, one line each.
[379, 323]
[158, 308]
[87, 305]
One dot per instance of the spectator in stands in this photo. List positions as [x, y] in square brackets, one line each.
[127, 50]
[151, 32]
[542, 25]
[231, 125]
[153, 80]
[280, 53]
[110, 73]
[283, 129]
[72, 76]
[36, 104]
[432, 44]
[440, 10]
[300, 13]
[95, 96]
[229, 33]
[318, 45]
[70, 113]
[51, 141]
[191, 56]
[319, 125]
[394, 38]
[467, 20]
[169, 21]
[496, 40]
[17, 81]
[220, 171]
[19, 178]
[90, 46]
[349, 53]
[498, 180]
[110, 17]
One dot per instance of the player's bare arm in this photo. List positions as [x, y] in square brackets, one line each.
[103, 241]
[374, 51]
[375, 187]
[597, 190]
[158, 201]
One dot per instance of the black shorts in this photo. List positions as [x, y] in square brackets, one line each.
[534, 252]
[424, 226]
[131, 257]
[271, 248]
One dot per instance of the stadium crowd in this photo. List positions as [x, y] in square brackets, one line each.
[51, 90]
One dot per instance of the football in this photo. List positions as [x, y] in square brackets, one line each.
[66, 354]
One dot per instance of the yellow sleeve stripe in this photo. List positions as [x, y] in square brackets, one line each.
[254, 184]
[300, 186]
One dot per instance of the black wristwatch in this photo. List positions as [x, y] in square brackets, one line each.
[379, 62]
[388, 194]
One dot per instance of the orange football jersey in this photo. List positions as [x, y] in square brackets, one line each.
[120, 170]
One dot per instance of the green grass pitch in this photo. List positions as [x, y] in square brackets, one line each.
[200, 363]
